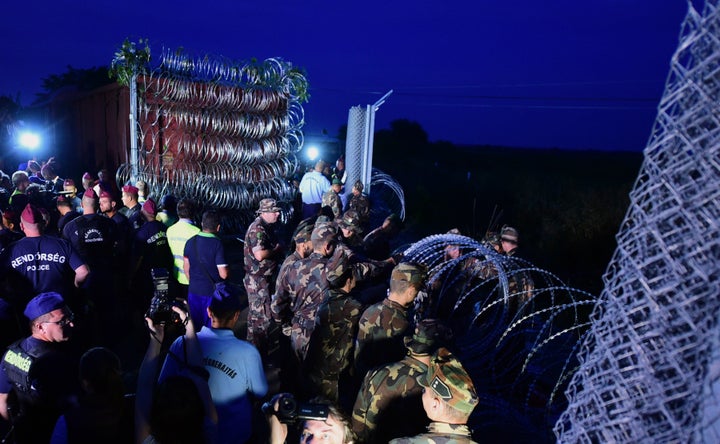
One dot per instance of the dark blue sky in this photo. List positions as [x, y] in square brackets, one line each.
[555, 73]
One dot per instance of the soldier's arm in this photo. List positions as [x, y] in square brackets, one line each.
[260, 253]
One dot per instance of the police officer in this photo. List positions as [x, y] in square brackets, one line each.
[448, 399]
[40, 263]
[388, 404]
[262, 254]
[39, 373]
[94, 237]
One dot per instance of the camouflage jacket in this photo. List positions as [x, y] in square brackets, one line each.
[361, 204]
[440, 433]
[389, 403]
[335, 329]
[330, 347]
[299, 292]
[380, 335]
[332, 200]
[283, 301]
[260, 234]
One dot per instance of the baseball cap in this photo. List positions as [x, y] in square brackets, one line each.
[450, 382]
[350, 220]
[42, 304]
[69, 183]
[509, 234]
[303, 233]
[429, 335]
[325, 231]
[339, 271]
[406, 271]
[336, 181]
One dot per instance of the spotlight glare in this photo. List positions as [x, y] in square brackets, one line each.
[29, 140]
[312, 152]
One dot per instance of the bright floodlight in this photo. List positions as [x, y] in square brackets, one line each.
[29, 140]
[312, 152]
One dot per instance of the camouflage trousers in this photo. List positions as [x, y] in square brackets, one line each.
[259, 291]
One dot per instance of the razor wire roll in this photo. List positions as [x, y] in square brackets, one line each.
[223, 132]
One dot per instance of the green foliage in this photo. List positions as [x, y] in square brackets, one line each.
[130, 59]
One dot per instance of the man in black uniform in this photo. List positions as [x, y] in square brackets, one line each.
[39, 263]
[38, 374]
[94, 237]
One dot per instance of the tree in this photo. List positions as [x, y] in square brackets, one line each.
[76, 78]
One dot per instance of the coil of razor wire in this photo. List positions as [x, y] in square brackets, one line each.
[222, 132]
[518, 328]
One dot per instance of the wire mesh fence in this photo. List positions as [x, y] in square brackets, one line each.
[649, 367]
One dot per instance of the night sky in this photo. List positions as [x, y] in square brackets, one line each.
[556, 73]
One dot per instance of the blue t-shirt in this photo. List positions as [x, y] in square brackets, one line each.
[236, 377]
[205, 252]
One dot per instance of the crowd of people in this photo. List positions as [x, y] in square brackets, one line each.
[328, 319]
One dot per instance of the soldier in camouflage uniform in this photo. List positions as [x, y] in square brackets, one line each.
[360, 203]
[301, 289]
[383, 325]
[350, 229]
[330, 348]
[448, 400]
[331, 198]
[520, 283]
[262, 253]
[388, 405]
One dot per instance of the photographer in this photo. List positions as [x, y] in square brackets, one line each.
[180, 400]
[324, 423]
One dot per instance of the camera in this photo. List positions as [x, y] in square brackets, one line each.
[160, 310]
[290, 411]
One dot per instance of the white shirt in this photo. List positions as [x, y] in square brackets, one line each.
[312, 186]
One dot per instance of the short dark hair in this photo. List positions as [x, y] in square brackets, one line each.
[210, 220]
[186, 208]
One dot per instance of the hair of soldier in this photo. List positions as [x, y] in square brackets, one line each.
[210, 220]
[334, 411]
[397, 286]
[319, 244]
[186, 208]
[452, 414]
